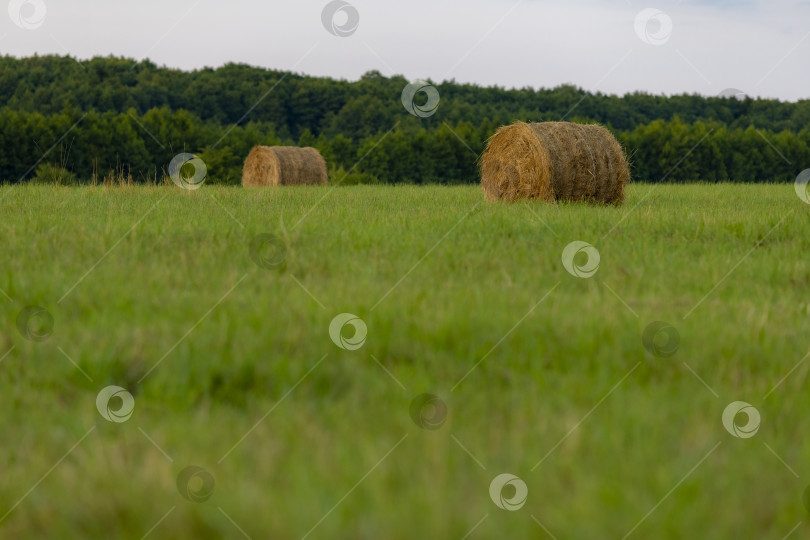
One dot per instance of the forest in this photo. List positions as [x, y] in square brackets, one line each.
[80, 121]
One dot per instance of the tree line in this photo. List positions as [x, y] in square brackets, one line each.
[114, 116]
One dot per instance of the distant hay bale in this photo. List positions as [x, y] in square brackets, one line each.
[283, 166]
[554, 161]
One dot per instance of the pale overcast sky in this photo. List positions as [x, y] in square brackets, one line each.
[615, 46]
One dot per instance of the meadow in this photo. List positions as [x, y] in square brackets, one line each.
[212, 309]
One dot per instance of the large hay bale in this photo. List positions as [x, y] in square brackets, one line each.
[554, 161]
[283, 166]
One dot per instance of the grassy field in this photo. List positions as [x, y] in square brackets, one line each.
[544, 375]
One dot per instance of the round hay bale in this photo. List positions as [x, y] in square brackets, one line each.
[554, 161]
[283, 166]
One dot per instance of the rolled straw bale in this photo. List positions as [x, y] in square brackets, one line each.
[554, 161]
[283, 166]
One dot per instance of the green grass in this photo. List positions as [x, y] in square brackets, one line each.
[444, 281]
